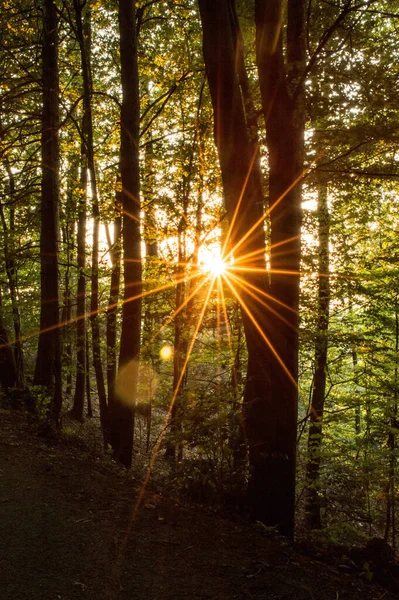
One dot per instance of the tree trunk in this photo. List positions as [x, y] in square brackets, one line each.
[8, 370]
[270, 400]
[81, 357]
[313, 500]
[150, 223]
[122, 414]
[282, 96]
[390, 522]
[84, 37]
[174, 450]
[115, 254]
[11, 272]
[88, 382]
[358, 419]
[48, 363]
[68, 232]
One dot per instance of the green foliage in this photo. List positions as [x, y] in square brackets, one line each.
[42, 403]
[339, 534]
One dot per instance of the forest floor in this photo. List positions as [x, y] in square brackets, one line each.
[71, 528]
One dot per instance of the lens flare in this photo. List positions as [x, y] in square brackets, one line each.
[166, 352]
[213, 263]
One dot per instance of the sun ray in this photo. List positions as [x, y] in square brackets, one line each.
[268, 211]
[103, 309]
[155, 451]
[228, 334]
[262, 333]
[223, 301]
[259, 270]
[244, 257]
[243, 285]
[237, 208]
[286, 241]
[180, 308]
[262, 292]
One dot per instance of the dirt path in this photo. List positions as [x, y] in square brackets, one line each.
[65, 535]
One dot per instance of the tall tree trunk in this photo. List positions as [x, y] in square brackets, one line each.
[182, 320]
[390, 522]
[48, 363]
[282, 96]
[115, 254]
[11, 271]
[150, 224]
[358, 420]
[81, 356]
[313, 500]
[270, 400]
[87, 379]
[84, 37]
[173, 446]
[68, 233]
[122, 414]
[8, 370]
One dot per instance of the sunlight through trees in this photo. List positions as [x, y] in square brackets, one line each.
[198, 208]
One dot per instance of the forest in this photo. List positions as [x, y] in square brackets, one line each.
[200, 246]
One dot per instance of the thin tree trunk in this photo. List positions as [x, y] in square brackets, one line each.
[115, 254]
[68, 232]
[150, 224]
[48, 363]
[81, 356]
[84, 38]
[11, 271]
[122, 414]
[358, 422]
[8, 371]
[390, 523]
[313, 499]
[182, 321]
[87, 378]
[173, 446]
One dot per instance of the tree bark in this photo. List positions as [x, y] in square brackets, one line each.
[81, 357]
[8, 370]
[312, 498]
[390, 522]
[270, 399]
[122, 414]
[83, 28]
[68, 239]
[115, 254]
[48, 363]
[11, 272]
[282, 96]
[174, 449]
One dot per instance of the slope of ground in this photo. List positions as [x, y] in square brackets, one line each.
[70, 529]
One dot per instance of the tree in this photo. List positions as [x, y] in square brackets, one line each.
[8, 370]
[313, 499]
[122, 412]
[270, 402]
[11, 271]
[48, 363]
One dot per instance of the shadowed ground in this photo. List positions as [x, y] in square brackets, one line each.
[64, 518]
